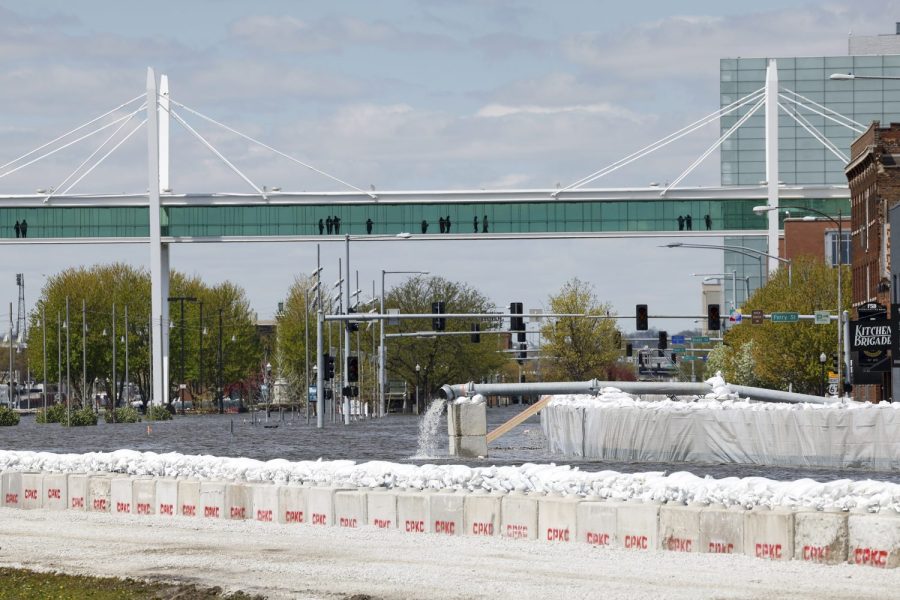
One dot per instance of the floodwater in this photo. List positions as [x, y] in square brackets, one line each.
[395, 438]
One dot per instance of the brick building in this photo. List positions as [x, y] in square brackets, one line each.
[874, 177]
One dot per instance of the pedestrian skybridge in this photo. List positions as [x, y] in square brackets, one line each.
[635, 212]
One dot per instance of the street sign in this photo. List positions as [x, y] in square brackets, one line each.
[700, 339]
[393, 321]
[735, 316]
[677, 339]
[757, 317]
[688, 357]
[785, 317]
[823, 317]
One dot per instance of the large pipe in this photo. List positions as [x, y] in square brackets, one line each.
[594, 386]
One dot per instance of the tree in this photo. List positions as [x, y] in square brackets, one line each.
[442, 359]
[783, 355]
[579, 348]
[102, 286]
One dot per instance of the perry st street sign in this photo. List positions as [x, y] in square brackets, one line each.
[785, 317]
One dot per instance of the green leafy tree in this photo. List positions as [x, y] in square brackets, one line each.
[441, 359]
[779, 355]
[579, 348]
[299, 312]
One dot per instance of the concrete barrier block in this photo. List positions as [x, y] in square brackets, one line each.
[56, 491]
[468, 446]
[482, 514]
[519, 516]
[597, 522]
[722, 530]
[265, 502]
[821, 537]
[350, 508]
[320, 503]
[413, 512]
[679, 528]
[99, 488]
[238, 502]
[769, 534]
[447, 512]
[557, 518]
[121, 495]
[381, 508]
[637, 526]
[874, 540]
[11, 489]
[466, 418]
[32, 490]
[292, 504]
[143, 492]
[77, 492]
[189, 498]
[167, 497]
[212, 499]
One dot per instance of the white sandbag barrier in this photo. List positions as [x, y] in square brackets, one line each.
[804, 533]
[723, 429]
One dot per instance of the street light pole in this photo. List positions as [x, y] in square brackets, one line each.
[382, 407]
[840, 267]
[181, 300]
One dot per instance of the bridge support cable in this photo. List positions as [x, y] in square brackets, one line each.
[713, 147]
[826, 112]
[811, 130]
[275, 150]
[64, 146]
[134, 130]
[221, 156]
[111, 137]
[749, 98]
[68, 133]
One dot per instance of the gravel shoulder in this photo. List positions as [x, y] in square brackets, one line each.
[311, 562]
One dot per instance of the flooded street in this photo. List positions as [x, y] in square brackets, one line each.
[398, 438]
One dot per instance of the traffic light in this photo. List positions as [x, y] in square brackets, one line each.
[438, 323]
[674, 358]
[476, 333]
[516, 323]
[629, 350]
[834, 362]
[663, 340]
[522, 353]
[353, 368]
[328, 361]
[641, 314]
[713, 320]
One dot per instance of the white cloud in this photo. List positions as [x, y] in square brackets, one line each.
[603, 108]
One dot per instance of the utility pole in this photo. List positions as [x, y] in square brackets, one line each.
[219, 376]
[113, 397]
[83, 353]
[202, 332]
[181, 300]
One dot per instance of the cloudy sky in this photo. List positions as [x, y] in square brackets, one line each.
[401, 94]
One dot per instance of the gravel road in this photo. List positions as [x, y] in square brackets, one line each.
[308, 562]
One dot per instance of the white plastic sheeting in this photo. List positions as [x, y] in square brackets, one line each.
[617, 426]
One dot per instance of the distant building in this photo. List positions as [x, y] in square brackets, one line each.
[817, 238]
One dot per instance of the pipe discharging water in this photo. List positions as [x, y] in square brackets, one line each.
[429, 425]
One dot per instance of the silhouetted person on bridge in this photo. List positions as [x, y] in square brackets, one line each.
[369, 225]
[708, 220]
[475, 224]
[441, 224]
[337, 224]
[484, 224]
[687, 222]
[321, 226]
[424, 226]
[447, 223]
[24, 228]
[680, 223]
[329, 225]
[18, 229]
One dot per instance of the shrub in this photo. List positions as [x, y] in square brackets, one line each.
[157, 412]
[55, 413]
[8, 417]
[79, 418]
[124, 414]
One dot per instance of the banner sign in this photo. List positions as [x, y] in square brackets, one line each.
[870, 336]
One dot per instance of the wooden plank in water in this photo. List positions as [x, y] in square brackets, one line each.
[518, 419]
